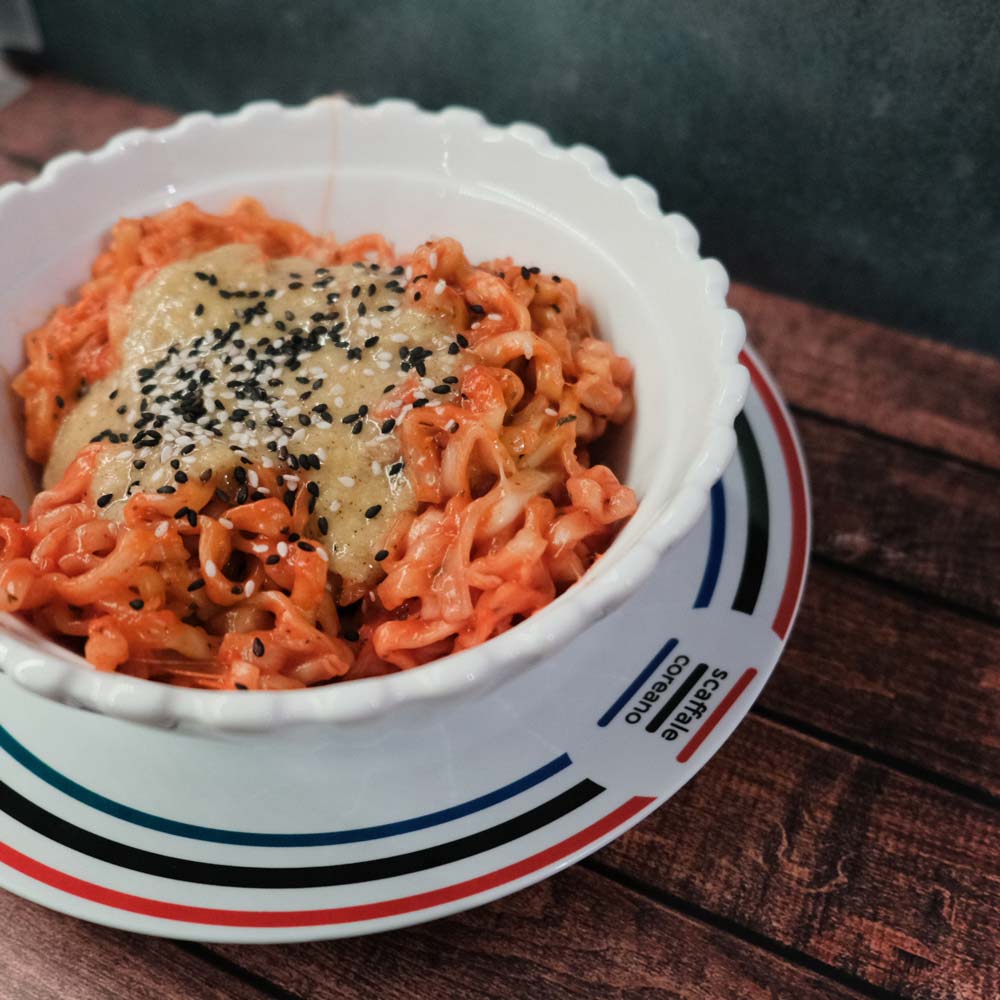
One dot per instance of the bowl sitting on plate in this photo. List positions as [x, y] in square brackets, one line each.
[410, 174]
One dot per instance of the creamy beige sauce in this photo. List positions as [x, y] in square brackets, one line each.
[313, 352]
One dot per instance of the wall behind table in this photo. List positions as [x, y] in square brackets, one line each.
[837, 151]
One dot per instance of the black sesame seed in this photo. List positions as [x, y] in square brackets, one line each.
[441, 390]
[138, 604]
[525, 273]
[373, 511]
[313, 488]
[306, 547]
[566, 420]
[388, 388]
[196, 585]
[417, 403]
[295, 285]
[371, 341]
[140, 463]
[240, 474]
[166, 489]
[199, 309]
[104, 500]
[463, 341]
[453, 348]
[381, 554]
[357, 428]
[272, 560]
[388, 425]
[236, 590]
[416, 298]
[324, 525]
[355, 291]
[180, 477]
[258, 646]
[60, 402]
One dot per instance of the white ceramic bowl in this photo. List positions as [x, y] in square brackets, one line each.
[396, 169]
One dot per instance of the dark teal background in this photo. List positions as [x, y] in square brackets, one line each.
[836, 151]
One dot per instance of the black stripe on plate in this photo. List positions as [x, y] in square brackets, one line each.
[758, 518]
[204, 873]
[676, 698]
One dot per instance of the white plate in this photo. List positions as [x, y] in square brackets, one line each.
[275, 838]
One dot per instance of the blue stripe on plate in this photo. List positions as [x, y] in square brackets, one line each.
[716, 544]
[631, 690]
[103, 804]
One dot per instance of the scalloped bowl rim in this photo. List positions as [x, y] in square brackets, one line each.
[53, 672]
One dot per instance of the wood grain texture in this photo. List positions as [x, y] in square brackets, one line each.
[48, 956]
[11, 170]
[574, 935]
[896, 674]
[920, 519]
[881, 876]
[929, 393]
[55, 116]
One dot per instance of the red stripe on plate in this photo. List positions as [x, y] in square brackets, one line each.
[312, 918]
[715, 718]
[796, 484]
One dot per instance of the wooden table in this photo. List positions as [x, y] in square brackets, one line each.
[850, 846]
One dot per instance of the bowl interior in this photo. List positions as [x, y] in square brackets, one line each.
[411, 175]
[334, 167]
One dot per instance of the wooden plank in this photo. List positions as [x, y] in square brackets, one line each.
[922, 520]
[11, 170]
[873, 873]
[575, 935]
[929, 393]
[48, 956]
[896, 674]
[55, 116]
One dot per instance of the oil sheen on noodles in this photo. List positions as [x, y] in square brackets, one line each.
[275, 502]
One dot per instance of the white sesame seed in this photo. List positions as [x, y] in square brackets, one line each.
[322, 554]
[226, 523]
[494, 316]
[338, 401]
[440, 286]
[161, 529]
[399, 338]
[335, 505]
[259, 547]
[433, 260]
[282, 548]
[550, 412]
[210, 569]
[248, 588]
[345, 481]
